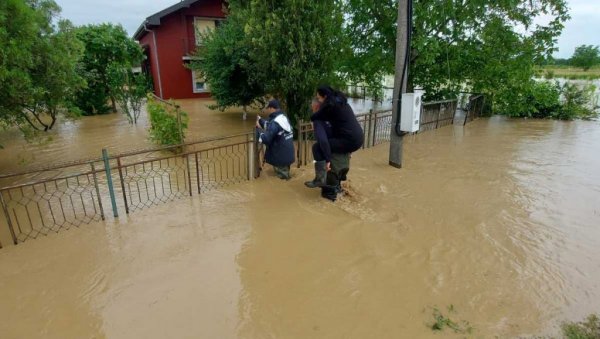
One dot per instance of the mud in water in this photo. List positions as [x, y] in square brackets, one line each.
[496, 223]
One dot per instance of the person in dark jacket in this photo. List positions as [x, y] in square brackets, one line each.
[342, 134]
[276, 133]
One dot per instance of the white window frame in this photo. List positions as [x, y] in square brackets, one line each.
[203, 18]
[205, 90]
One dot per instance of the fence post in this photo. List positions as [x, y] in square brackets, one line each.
[109, 182]
[373, 143]
[189, 172]
[299, 151]
[437, 119]
[179, 127]
[97, 190]
[123, 184]
[197, 171]
[250, 153]
[7, 216]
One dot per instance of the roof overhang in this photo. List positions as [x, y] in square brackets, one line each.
[154, 19]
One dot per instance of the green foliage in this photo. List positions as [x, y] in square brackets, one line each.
[585, 56]
[542, 100]
[38, 63]
[283, 48]
[129, 90]
[224, 64]
[490, 46]
[588, 329]
[164, 127]
[109, 52]
[577, 102]
[441, 322]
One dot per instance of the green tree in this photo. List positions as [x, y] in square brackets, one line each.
[586, 56]
[129, 90]
[223, 61]
[283, 48]
[38, 63]
[295, 45]
[108, 51]
[456, 44]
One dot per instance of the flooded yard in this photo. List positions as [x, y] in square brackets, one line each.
[496, 224]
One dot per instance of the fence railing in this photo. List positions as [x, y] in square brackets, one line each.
[52, 199]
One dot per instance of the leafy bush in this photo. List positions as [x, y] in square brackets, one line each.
[547, 100]
[531, 100]
[576, 102]
[164, 128]
[588, 329]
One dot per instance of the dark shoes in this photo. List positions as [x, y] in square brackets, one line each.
[282, 172]
[320, 179]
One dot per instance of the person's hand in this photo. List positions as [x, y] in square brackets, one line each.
[328, 166]
[258, 121]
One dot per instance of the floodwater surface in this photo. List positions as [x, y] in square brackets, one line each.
[496, 225]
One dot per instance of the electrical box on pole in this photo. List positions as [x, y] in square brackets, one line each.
[411, 111]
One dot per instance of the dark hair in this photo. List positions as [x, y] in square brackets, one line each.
[332, 96]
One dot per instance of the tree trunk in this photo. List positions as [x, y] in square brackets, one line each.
[114, 104]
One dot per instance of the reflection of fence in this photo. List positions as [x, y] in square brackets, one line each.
[57, 198]
[377, 126]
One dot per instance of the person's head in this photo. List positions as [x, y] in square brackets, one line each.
[272, 106]
[315, 105]
[329, 96]
[323, 93]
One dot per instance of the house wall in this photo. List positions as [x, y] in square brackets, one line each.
[175, 38]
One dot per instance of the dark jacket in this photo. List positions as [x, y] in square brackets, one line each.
[278, 136]
[343, 123]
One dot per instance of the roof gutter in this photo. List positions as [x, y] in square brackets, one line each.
[160, 90]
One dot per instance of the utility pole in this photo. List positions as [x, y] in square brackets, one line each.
[400, 80]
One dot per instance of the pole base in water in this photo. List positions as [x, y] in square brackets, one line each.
[393, 164]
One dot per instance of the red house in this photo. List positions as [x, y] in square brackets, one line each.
[168, 39]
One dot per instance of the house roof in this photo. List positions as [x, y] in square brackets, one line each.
[154, 19]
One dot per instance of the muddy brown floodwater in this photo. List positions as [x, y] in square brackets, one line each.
[498, 221]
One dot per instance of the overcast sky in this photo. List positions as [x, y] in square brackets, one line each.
[583, 28]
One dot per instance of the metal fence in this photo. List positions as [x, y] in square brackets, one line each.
[437, 114]
[474, 107]
[48, 200]
[377, 126]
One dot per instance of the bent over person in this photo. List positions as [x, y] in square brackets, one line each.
[277, 135]
[336, 130]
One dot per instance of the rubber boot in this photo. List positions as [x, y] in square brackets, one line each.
[320, 175]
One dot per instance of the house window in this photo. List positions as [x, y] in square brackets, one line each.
[202, 26]
[198, 83]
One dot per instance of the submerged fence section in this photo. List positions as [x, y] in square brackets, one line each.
[48, 200]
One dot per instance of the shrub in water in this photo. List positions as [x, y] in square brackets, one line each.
[164, 129]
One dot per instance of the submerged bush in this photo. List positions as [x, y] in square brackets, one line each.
[588, 329]
[164, 128]
[544, 99]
